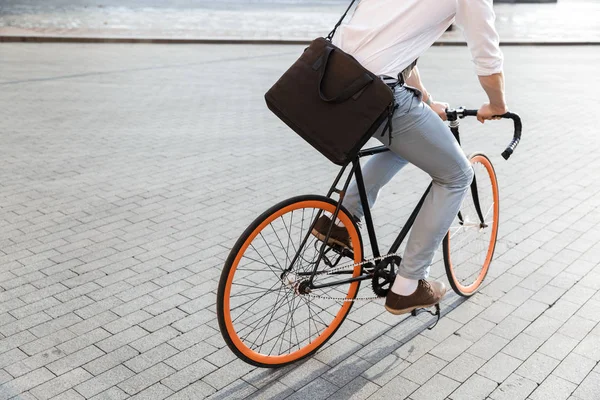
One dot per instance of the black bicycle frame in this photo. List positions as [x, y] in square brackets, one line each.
[356, 172]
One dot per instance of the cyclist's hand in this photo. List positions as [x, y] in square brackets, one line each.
[488, 112]
[440, 108]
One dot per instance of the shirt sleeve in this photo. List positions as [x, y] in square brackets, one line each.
[476, 18]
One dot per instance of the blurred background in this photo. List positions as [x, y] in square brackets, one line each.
[277, 20]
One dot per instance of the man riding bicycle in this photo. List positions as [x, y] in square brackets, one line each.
[387, 37]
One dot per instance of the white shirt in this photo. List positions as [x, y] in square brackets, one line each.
[386, 36]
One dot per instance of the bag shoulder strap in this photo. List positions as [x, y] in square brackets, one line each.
[330, 36]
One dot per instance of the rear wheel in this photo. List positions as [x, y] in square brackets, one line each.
[263, 315]
[469, 244]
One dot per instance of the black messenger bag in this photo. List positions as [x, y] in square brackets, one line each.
[329, 99]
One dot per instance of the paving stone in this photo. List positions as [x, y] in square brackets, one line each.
[475, 329]
[151, 357]
[113, 393]
[576, 327]
[11, 357]
[34, 362]
[154, 339]
[553, 388]
[198, 334]
[46, 342]
[224, 376]
[24, 383]
[590, 310]
[548, 294]
[558, 346]
[110, 360]
[378, 349]
[537, 367]
[386, 369]
[197, 390]
[81, 342]
[60, 384]
[589, 388]
[499, 367]
[517, 296]
[475, 388]
[463, 367]
[25, 323]
[162, 320]
[443, 329]
[47, 328]
[398, 388]
[412, 350]
[120, 324]
[221, 357]
[510, 327]
[514, 388]
[189, 374]
[451, 348]
[278, 391]
[487, 346]
[358, 389]
[423, 369]
[69, 395]
[103, 381]
[574, 368]
[438, 387]
[122, 338]
[589, 348]
[317, 389]
[74, 360]
[465, 312]
[188, 356]
[522, 346]
[337, 352]
[154, 392]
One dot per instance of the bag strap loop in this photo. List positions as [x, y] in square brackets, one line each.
[330, 36]
[351, 90]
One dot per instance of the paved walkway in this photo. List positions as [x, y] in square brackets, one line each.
[266, 20]
[127, 172]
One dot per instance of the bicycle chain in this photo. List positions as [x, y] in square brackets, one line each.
[340, 268]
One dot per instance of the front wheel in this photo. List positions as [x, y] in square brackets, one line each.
[469, 244]
[265, 316]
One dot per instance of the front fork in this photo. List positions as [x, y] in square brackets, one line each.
[454, 124]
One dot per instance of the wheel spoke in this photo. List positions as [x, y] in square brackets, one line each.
[268, 314]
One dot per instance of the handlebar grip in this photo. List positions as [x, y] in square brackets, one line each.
[470, 113]
[516, 137]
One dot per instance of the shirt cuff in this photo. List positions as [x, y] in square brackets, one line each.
[489, 68]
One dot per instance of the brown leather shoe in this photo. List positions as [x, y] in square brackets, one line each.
[339, 234]
[427, 294]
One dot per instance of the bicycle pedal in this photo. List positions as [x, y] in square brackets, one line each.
[437, 314]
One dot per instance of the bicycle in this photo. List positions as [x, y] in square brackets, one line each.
[276, 312]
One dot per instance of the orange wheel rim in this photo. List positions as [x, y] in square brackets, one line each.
[326, 333]
[469, 289]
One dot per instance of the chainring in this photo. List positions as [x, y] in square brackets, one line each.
[384, 275]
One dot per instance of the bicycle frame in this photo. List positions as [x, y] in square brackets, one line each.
[356, 172]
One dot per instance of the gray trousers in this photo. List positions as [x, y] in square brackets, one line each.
[420, 137]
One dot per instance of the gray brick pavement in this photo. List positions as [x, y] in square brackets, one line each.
[133, 177]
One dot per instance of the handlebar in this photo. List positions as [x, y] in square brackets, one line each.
[454, 114]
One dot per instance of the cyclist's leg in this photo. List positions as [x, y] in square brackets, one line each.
[377, 172]
[423, 139]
